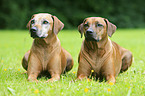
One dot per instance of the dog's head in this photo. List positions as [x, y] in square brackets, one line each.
[96, 28]
[43, 24]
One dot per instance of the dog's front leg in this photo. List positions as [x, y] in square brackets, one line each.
[34, 68]
[84, 69]
[108, 71]
[54, 68]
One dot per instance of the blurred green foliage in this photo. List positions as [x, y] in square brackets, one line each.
[14, 14]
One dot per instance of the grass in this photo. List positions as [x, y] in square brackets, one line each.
[14, 44]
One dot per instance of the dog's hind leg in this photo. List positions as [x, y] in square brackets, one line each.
[70, 61]
[126, 60]
[70, 64]
[25, 60]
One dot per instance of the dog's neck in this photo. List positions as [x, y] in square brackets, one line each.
[96, 45]
[49, 40]
[99, 48]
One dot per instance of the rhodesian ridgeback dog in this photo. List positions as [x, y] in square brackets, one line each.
[46, 53]
[99, 53]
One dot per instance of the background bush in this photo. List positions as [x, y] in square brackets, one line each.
[14, 14]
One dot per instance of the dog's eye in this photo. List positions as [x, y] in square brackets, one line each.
[45, 22]
[99, 25]
[32, 21]
[86, 25]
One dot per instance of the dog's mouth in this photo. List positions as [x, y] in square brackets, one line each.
[91, 38]
[34, 35]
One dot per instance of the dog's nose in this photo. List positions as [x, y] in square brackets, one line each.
[33, 32]
[33, 29]
[89, 31]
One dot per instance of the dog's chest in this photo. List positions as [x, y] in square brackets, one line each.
[97, 59]
[45, 57]
[98, 62]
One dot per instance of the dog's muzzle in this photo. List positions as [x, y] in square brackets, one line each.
[33, 32]
[90, 35]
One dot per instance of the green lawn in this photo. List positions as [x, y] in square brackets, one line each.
[14, 44]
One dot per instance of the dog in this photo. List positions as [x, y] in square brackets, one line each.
[99, 53]
[46, 53]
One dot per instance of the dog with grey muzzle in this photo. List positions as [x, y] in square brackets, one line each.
[46, 54]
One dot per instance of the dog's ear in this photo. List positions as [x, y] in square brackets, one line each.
[111, 28]
[57, 25]
[80, 28]
[28, 24]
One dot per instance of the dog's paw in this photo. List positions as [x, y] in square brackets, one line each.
[52, 80]
[24, 72]
[33, 80]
